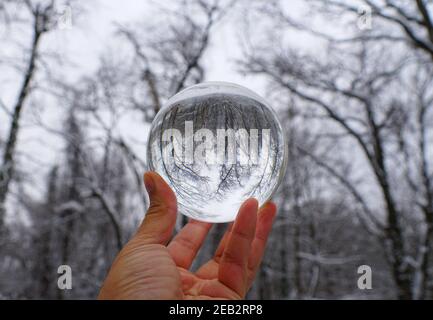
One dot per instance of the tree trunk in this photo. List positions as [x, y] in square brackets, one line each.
[7, 166]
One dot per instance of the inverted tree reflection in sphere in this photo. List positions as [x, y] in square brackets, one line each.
[217, 144]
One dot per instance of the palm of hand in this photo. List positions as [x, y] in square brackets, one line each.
[205, 284]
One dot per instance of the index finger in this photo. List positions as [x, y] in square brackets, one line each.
[264, 225]
[234, 262]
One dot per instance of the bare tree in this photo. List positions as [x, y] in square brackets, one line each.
[357, 110]
[170, 60]
[42, 19]
[358, 87]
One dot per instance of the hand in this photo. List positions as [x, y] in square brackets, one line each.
[147, 268]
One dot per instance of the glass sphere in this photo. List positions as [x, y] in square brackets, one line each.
[217, 144]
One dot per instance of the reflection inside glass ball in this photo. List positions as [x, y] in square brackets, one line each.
[217, 144]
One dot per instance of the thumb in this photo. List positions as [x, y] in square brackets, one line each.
[157, 226]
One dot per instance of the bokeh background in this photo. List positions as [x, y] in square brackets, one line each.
[351, 81]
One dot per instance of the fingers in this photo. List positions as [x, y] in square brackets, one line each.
[158, 224]
[265, 220]
[264, 225]
[234, 261]
[210, 269]
[223, 242]
[184, 247]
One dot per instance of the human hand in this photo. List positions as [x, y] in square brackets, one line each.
[148, 268]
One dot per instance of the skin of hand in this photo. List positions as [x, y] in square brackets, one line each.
[151, 267]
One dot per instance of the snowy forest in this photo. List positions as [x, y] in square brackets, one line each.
[351, 82]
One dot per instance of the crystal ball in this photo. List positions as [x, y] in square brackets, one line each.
[217, 144]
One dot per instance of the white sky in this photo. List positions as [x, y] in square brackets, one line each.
[92, 32]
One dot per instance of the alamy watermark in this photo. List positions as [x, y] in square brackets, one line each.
[64, 17]
[228, 146]
[64, 282]
[365, 18]
[365, 280]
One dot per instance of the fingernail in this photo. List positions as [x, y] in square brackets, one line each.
[253, 200]
[149, 183]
